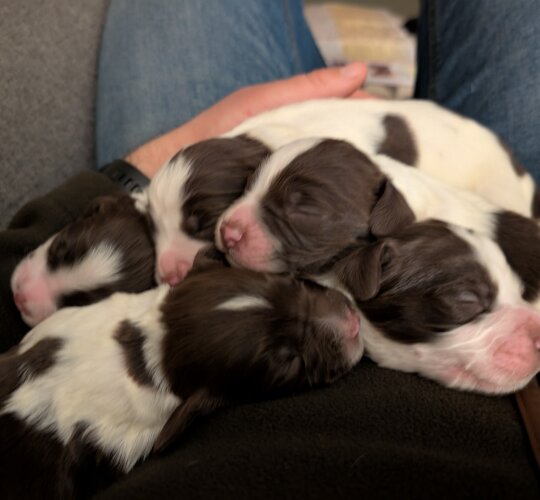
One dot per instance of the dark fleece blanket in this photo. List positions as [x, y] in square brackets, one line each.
[375, 433]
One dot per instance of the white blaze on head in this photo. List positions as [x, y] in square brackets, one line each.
[243, 302]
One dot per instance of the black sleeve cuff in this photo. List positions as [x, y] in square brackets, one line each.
[126, 176]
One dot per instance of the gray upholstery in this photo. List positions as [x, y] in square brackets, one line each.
[48, 56]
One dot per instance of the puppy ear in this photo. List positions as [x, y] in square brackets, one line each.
[390, 213]
[361, 270]
[207, 258]
[102, 204]
[200, 403]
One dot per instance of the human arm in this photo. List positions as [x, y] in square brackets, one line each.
[246, 102]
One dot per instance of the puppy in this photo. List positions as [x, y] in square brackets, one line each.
[91, 391]
[315, 197]
[452, 148]
[442, 301]
[190, 192]
[108, 249]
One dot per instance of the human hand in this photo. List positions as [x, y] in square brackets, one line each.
[246, 102]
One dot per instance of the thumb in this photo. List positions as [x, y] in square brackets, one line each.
[321, 83]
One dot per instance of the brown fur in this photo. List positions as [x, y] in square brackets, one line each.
[398, 142]
[220, 169]
[418, 283]
[326, 200]
[519, 239]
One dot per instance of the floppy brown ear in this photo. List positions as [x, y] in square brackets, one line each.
[102, 204]
[209, 257]
[361, 270]
[390, 213]
[200, 403]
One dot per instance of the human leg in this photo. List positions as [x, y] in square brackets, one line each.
[482, 59]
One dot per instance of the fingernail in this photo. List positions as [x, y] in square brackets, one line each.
[352, 70]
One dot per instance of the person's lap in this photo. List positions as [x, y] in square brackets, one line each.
[162, 62]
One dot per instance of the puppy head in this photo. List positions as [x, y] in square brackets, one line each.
[444, 302]
[190, 192]
[421, 282]
[309, 200]
[108, 249]
[241, 335]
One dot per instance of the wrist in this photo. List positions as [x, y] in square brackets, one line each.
[150, 157]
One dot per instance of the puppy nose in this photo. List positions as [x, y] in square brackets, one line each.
[353, 325]
[172, 268]
[231, 233]
[20, 301]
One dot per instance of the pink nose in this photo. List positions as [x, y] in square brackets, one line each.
[520, 354]
[353, 325]
[172, 269]
[231, 233]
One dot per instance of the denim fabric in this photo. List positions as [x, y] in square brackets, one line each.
[163, 61]
[482, 58]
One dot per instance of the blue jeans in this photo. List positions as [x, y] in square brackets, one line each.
[482, 59]
[163, 61]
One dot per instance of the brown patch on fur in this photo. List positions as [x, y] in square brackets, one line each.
[220, 169]
[15, 367]
[418, 283]
[132, 339]
[398, 142]
[519, 239]
[324, 200]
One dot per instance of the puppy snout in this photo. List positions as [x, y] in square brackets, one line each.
[172, 268]
[231, 232]
[20, 301]
[352, 325]
[520, 354]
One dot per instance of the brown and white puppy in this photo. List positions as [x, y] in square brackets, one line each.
[443, 301]
[452, 148]
[92, 390]
[108, 249]
[189, 193]
[314, 197]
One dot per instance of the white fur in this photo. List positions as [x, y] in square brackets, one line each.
[100, 266]
[165, 196]
[452, 148]
[89, 382]
[243, 302]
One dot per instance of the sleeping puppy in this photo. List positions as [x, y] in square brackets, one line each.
[189, 193]
[108, 249]
[452, 148]
[92, 391]
[315, 197]
[111, 248]
[442, 301]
